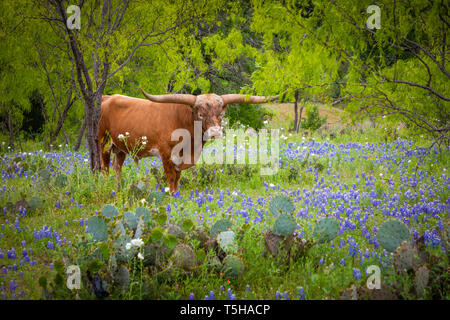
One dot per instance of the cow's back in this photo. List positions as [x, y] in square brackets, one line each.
[140, 117]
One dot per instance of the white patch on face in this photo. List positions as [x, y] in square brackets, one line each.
[215, 131]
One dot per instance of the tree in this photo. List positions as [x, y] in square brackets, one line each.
[105, 43]
[398, 71]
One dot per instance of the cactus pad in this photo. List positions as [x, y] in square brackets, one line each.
[227, 242]
[61, 181]
[219, 226]
[184, 257]
[35, 203]
[391, 234]
[281, 204]
[421, 280]
[144, 213]
[405, 257]
[284, 225]
[109, 211]
[326, 229]
[233, 267]
[129, 220]
[98, 228]
[155, 197]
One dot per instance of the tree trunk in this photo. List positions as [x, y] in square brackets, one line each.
[10, 129]
[296, 111]
[80, 136]
[300, 119]
[92, 114]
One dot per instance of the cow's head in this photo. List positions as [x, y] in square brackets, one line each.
[208, 108]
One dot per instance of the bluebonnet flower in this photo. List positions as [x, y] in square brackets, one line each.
[301, 294]
[356, 274]
[191, 296]
[277, 295]
[50, 245]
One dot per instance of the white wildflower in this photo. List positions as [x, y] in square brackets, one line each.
[140, 256]
[128, 246]
[166, 189]
[137, 242]
[120, 136]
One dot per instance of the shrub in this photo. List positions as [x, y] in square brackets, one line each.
[312, 120]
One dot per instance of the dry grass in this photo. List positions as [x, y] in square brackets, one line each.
[284, 114]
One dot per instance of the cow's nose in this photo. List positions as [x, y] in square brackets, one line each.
[215, 131]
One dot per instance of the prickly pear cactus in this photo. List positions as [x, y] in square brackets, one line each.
[326, 229]
[176, 231]
[227, 242]
[98, 228]
[233, 267]
[122, 277]
[109, 211]
[155, 197]
[129, 220]
[392, 233]
[45, 175]
[184, 257]
[421, 280]
[405, 257]
[219, 226]
[272, 242]
[281, 204]
[284, 225]
[61, 181]
[35, 203]
[144, 213]
[155, 254]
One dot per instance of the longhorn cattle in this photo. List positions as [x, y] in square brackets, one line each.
[143, 128]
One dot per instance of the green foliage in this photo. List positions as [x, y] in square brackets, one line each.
[391, 234]
[248, 115]
[312, 121]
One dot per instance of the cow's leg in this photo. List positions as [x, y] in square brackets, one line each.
[119, 158]
[172, 175]
[105, 157]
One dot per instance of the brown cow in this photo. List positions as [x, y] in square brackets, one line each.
[131, 121]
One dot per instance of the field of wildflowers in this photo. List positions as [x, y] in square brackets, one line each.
[210, 240]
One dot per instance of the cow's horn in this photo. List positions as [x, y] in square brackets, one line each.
[241, 98]
[171, 98]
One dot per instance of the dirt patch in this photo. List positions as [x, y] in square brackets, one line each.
[284, 114]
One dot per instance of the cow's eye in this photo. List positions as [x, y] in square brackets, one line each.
[200, 116]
